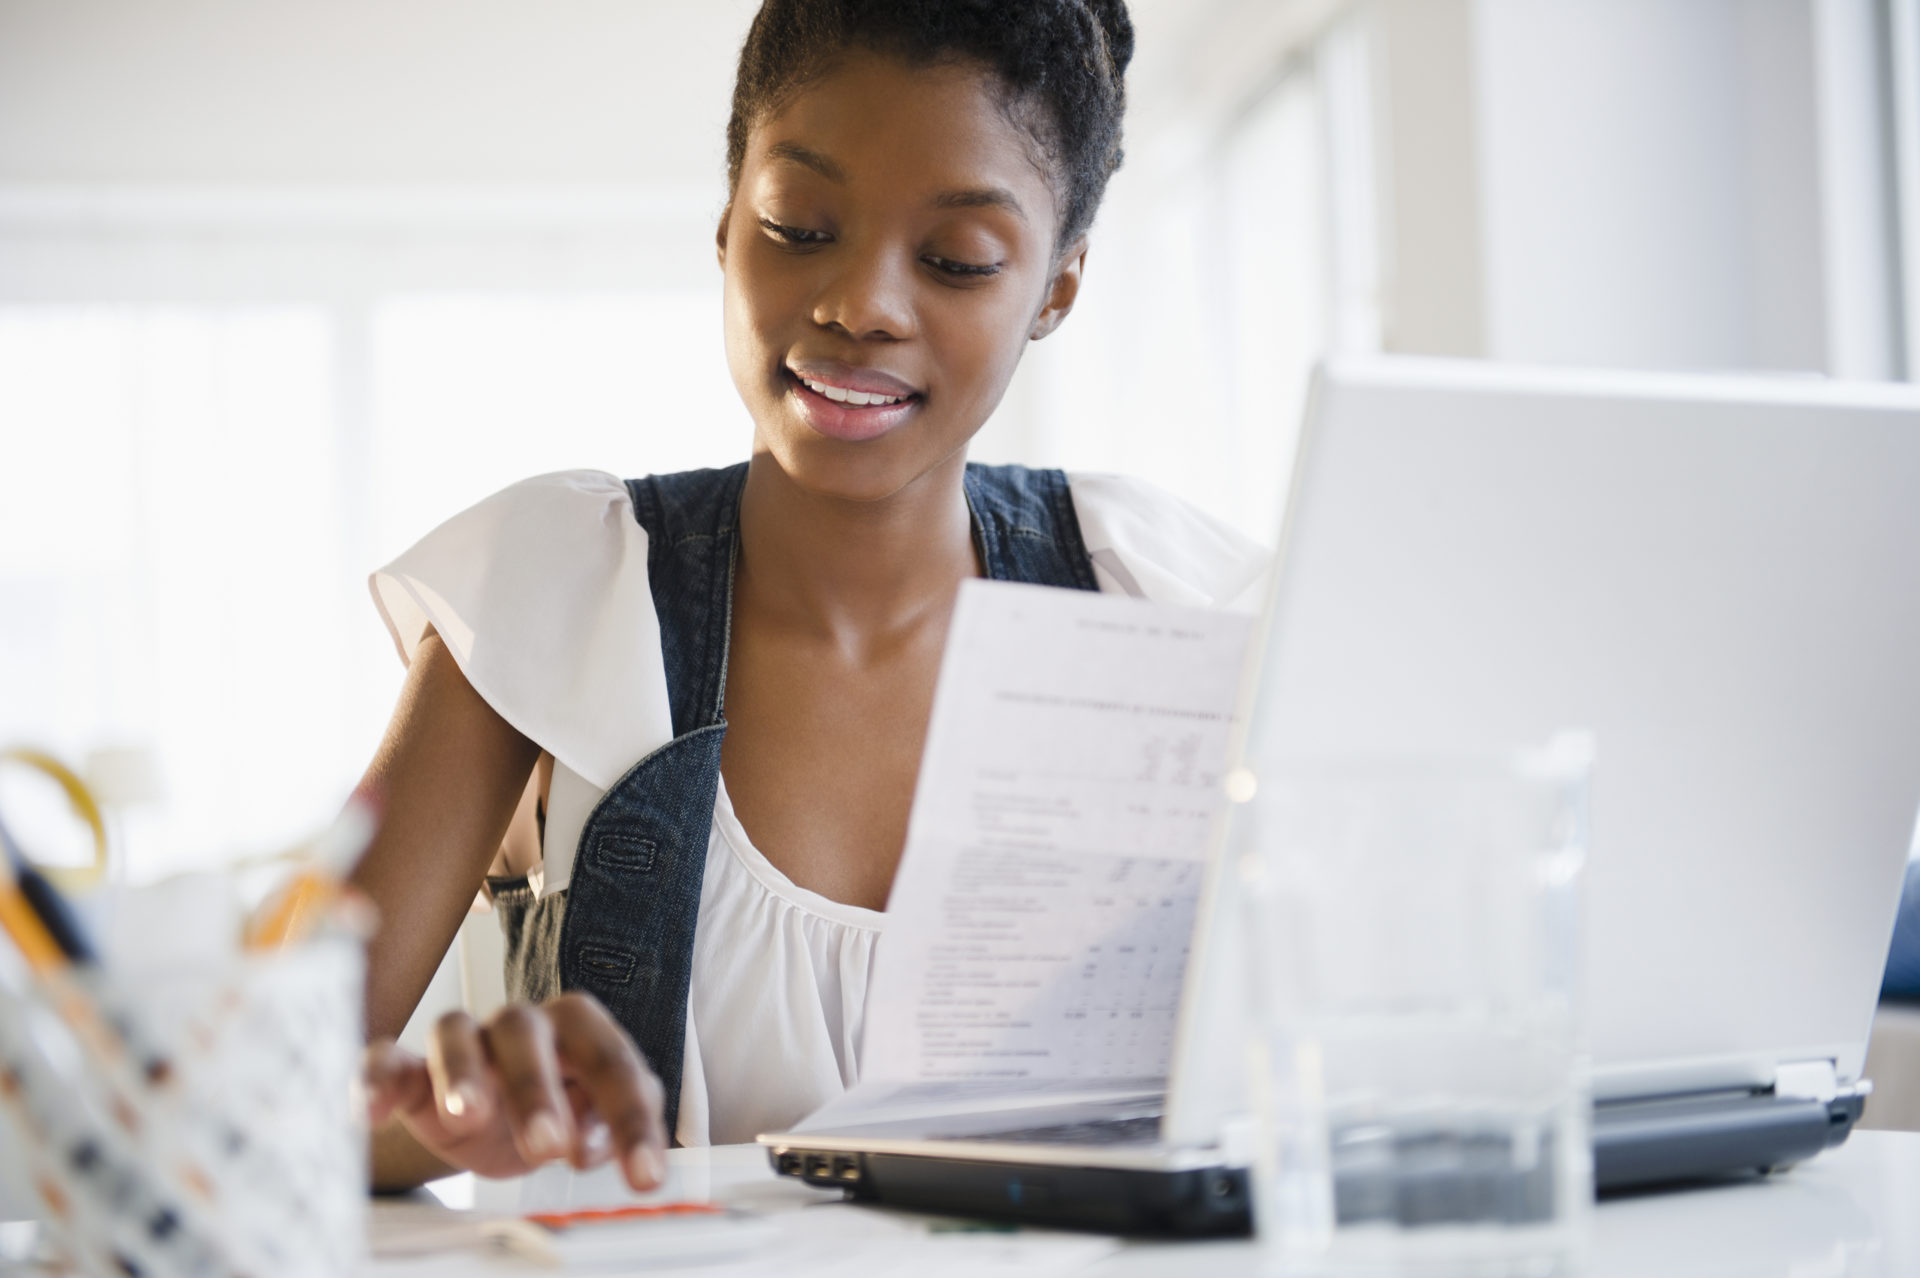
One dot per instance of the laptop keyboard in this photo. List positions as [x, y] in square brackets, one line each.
[1135, 1129]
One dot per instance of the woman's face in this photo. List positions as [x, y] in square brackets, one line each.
[888, 252]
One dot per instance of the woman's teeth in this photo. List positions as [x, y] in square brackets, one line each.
[859, 399]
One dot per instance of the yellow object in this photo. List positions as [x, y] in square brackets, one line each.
[25, 929]
[288, 914]
[83, 806]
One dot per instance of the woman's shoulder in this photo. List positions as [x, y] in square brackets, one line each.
[540, 593]
[571, 512]
[550, 537]
[1145, 541]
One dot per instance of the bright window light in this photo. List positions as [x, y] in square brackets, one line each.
[169, 534]
[472, 393]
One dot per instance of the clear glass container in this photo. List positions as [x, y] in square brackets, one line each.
[1417, 1053]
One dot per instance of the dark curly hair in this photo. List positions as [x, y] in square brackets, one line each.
[1062, 63]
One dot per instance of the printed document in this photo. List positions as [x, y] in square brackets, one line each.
[1039, 922]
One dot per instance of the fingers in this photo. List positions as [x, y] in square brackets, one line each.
[520, 1041]
[531, 1085]
[396, 1081]
[593, 1143]
[462, 1079]
[602, 1061]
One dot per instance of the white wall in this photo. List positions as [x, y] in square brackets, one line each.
[482, 230]
[355, 92]
[1638, 183]
[1434, 240]
[1649, 183]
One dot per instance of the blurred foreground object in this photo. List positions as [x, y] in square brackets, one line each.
[1419, 1054]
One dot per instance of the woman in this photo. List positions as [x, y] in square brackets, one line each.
[705, 695]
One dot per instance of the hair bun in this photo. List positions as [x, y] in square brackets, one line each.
[1117, 27]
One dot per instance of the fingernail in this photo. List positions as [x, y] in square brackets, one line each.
[544, 1138]
[648, 1164]
[596, 1141]
[465, 1101]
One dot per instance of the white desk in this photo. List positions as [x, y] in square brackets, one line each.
[1852, 1213]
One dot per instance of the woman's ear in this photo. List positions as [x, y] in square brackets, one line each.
[1064, 287]
[720, 235]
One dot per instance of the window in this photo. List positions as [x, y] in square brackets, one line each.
[194, 491]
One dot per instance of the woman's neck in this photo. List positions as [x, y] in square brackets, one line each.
[853, 573]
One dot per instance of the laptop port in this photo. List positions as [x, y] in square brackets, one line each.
[817, 1167]
[789, 1163]
[846, 1168]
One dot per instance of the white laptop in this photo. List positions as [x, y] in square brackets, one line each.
[1721, 579]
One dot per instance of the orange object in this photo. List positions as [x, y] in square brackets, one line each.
[598, 1215]
[288, 914]
[84, 806]
[28, 933]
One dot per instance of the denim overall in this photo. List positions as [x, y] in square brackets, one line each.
[623, 928]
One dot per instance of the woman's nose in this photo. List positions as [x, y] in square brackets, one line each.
[867, 297]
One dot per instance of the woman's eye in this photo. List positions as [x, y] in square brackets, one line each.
[793, 234]
[961, 270]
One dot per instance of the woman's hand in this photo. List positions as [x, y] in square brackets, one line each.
[531, 1085]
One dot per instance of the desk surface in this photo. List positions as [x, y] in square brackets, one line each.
[1854, 1211]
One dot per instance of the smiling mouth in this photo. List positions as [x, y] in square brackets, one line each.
[873, 406]
[851, 398]
[849, 386]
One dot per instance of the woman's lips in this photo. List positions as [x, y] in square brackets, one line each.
[852, 423]
[832, 374]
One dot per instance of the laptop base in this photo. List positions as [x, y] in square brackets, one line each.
[1187, 1203]
[1641, 1144]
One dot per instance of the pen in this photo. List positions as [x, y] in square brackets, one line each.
[62, 925]
[40, 922]
[25, 929]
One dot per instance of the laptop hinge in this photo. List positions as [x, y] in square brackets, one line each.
[1807, 1080]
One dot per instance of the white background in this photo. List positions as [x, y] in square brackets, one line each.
[281, 286]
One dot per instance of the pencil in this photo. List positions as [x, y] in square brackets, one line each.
[25, 929]
[62, 924]
[289, 914]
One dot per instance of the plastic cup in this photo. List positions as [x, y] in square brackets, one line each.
[1417, 1056]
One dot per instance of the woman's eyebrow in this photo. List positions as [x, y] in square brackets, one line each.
[988, 197]
[794, 153]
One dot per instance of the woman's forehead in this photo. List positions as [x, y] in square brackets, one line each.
[941, 129]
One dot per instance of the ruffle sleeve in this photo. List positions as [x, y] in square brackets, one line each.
[1148, 543]
[540, 593]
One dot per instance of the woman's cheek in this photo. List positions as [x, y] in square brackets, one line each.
[988, 351]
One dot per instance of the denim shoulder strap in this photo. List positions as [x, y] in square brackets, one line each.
[634, 898]
[1026, 528]
[691, 521]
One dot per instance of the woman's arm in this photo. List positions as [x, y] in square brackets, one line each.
[533, 1083]
[450, 773]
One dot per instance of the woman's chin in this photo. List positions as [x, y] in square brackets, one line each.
[870, 470]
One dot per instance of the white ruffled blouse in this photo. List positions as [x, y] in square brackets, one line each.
[540, 593]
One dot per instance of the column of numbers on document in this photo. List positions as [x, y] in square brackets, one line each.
[1120, 1008]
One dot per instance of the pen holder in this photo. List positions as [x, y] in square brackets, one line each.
[194, 1120]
